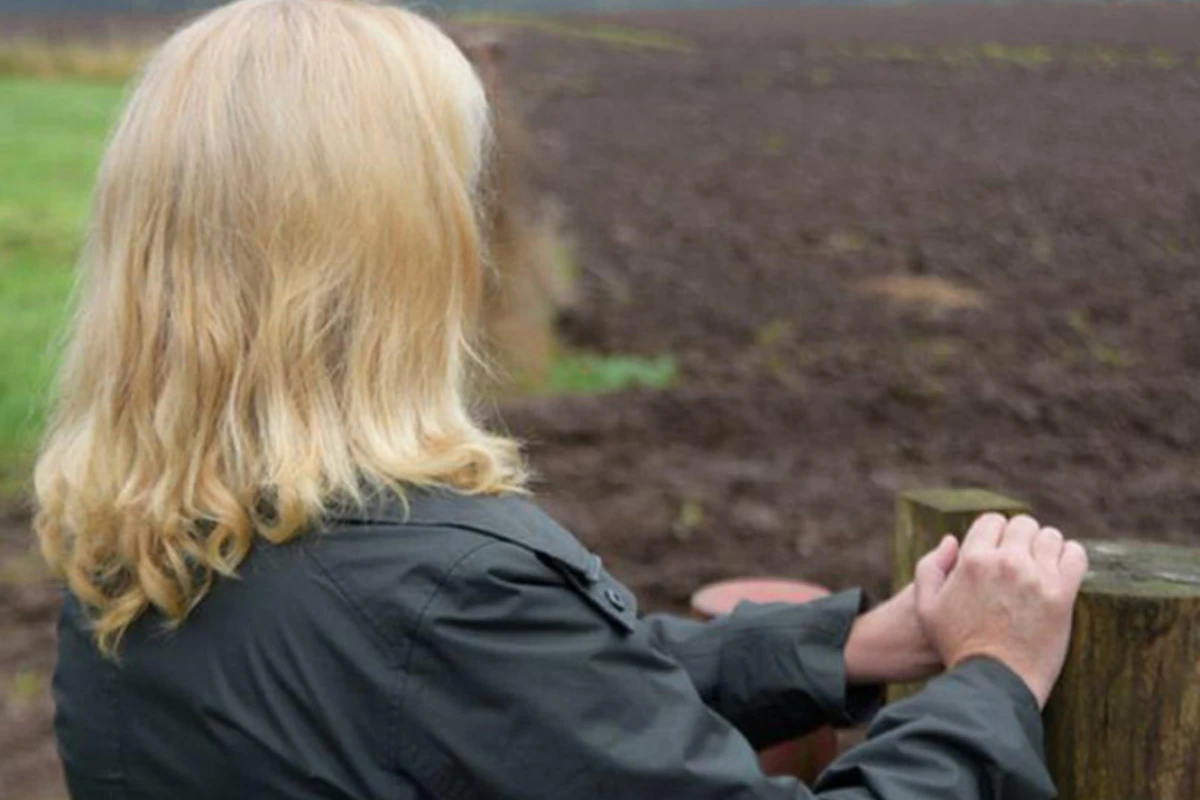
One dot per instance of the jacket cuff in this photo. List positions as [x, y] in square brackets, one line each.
[784, 669]
[993, 672]
[847, 705]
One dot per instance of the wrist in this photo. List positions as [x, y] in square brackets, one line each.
[882, 649]
[1028, 675]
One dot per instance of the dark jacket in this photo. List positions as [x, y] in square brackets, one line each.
[474, 649]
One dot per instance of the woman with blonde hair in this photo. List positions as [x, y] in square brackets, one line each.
[299, 566]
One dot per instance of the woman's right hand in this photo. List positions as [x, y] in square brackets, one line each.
[1009, 595]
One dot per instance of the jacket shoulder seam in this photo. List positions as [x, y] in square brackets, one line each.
[359, 610]
[441, 585]
[395, 747]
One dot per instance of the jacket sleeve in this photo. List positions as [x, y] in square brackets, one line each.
[519, 687]
[974, 732]
[775, 671]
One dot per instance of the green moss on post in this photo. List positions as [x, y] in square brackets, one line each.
[1124, 720]
[922, 518]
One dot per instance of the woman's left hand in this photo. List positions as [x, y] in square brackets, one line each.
[888, 644]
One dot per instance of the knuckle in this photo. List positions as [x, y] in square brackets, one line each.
[1060, 589]
[1051, 592]
[1028, 579]
[1029, 586]
[1010, 565]
[975, 564]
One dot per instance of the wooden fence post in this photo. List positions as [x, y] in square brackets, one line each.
[922, 518]
[1124, 720]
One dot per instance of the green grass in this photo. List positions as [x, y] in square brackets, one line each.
[588, 373]
[51, 137]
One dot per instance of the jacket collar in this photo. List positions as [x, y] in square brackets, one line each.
[511, 518]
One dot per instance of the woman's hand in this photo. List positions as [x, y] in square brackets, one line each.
[1010, 598]
[888, 644]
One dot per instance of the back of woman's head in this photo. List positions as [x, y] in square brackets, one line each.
[276, 301]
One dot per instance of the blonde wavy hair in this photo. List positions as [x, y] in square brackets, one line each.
[277, 300]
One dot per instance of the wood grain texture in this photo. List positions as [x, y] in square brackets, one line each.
[1124, 721]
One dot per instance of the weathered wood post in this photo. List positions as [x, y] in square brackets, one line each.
[923, 517]
[1124, 720]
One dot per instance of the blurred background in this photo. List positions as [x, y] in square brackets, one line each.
[758, 269]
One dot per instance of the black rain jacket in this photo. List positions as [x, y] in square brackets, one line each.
[472, 648]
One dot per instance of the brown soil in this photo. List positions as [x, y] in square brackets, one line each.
[880, 264]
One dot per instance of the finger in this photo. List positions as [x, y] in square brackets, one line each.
[984, 534]
[932, 570]
[1019, 533]
[1073, 564]
[1047, 548]
[946, 554]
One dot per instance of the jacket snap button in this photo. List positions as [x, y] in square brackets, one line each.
[615, 599]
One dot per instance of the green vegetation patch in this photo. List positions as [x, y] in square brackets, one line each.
[590, 373]
[51, 138]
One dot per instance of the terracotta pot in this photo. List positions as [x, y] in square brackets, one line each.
[805, 757]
